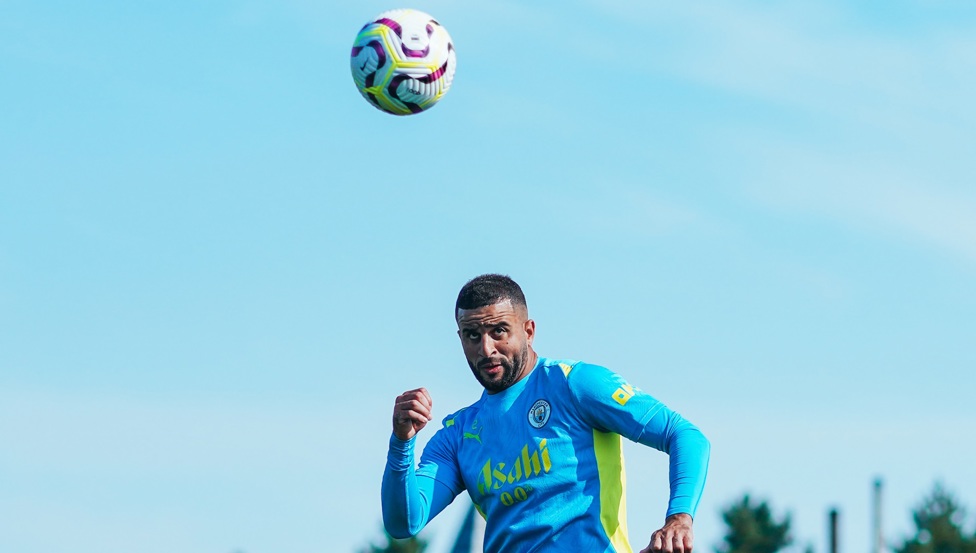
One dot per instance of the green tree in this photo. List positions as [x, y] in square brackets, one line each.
[753, 529]
[393, 545]
[939, 522]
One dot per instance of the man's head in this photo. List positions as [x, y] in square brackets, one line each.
[495, 330]
[487, 290]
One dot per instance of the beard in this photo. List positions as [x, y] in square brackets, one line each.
[511, 370]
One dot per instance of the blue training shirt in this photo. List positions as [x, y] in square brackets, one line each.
[543, 463]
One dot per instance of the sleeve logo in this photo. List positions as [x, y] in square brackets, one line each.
[623, 394]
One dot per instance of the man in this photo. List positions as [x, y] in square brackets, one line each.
[540, 452]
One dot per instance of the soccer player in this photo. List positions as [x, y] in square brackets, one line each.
[540, 452]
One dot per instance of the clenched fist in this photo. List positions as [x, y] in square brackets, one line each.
[411, 413]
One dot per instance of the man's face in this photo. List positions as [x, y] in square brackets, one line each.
[496, 341]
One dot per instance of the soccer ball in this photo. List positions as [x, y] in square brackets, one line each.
[403, 61]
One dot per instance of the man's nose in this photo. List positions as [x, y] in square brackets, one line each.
[487, 346]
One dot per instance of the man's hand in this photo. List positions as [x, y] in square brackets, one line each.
[675, 537]
[411, 413]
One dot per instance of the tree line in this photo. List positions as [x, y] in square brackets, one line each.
[752, 527]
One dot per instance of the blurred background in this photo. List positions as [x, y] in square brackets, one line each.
[219, 264]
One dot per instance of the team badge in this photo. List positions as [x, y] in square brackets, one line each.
[539, 413]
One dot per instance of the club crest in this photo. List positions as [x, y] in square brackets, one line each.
[539, 413]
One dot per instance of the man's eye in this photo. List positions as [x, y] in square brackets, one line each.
[472, 335]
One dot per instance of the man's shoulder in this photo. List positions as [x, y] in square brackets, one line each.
[572, 369]
[582, 379]
[555, 367]
[453, 418]
[463, 414]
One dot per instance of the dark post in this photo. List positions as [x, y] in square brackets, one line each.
[833, 530]
[878, 545]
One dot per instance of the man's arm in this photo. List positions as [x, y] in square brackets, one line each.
[688, 453]
[410, 501]
[611, 404]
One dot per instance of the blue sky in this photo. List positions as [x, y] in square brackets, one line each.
[219, 264]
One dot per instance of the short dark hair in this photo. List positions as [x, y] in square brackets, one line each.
[489, 289]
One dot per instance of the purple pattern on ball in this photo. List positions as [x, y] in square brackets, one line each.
[393, 25]
[370, 78]
[427, 79]
[392, 91]
[380, 52]
[415, 53]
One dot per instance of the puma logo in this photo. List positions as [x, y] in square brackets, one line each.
[475, 433]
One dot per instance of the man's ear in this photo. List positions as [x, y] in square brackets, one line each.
[529, 330]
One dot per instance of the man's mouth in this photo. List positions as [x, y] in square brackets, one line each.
[491, 368]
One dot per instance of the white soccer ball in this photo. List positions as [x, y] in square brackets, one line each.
[403, 61]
